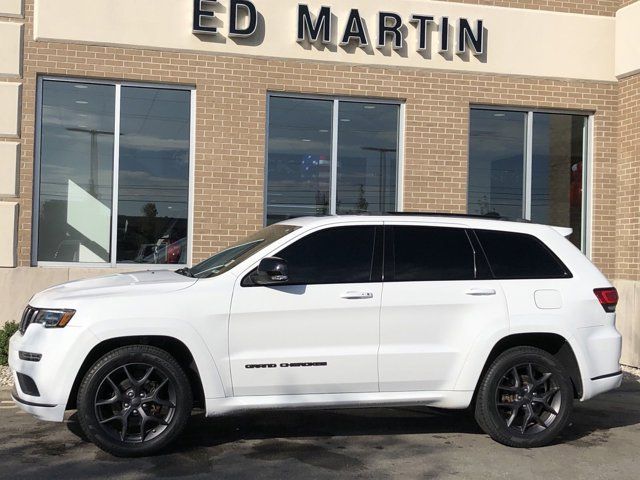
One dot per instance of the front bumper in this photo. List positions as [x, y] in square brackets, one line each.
[63, 352]
[50, 413]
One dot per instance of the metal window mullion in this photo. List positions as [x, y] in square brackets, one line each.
[116, 177]
[35, 220]
[528, 161]
[334, 158]
[587, 180]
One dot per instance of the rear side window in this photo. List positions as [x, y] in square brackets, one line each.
[334, 255]
[518, 255]
[429, 253]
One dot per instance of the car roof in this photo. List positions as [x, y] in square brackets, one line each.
[470, 221]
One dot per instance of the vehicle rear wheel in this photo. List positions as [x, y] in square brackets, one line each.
[525, 398]
[134, 401]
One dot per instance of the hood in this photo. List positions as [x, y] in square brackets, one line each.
[132, 284]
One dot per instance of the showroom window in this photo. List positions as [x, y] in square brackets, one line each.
[327, 156]
[113, 170]
[530, 165]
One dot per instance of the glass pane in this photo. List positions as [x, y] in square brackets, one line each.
[426, 254]
[517, 255]
[76, 172]
[334, 255]
[298, 158]
[496, 160]
[556, 183]
[367, 158]
[153, 194]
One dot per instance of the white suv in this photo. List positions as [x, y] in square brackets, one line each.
[444, 311]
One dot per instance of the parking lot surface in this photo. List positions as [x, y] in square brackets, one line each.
[602, 442]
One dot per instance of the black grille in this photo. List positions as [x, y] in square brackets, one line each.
[27, 318]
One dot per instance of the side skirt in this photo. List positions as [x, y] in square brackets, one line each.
[440, 399]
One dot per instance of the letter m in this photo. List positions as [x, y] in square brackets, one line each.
[308, 30]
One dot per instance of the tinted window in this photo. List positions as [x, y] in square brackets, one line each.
[517, 255]
[335, 255]
[431, 253]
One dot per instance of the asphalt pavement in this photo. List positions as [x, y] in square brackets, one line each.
[602, 442]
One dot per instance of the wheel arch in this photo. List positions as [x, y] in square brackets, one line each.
[175, 347]
[553, 343]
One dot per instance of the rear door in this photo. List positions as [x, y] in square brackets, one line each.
[438, 299]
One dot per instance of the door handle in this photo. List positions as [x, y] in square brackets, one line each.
[356, 295]
[480, 292]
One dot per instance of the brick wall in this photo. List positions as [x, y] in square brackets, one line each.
[230, 136]
[628, 207]
[624, 3]
[590, 7]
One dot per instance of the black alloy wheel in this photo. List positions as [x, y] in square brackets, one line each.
[525, 398]
[134, 401]
[529, 398]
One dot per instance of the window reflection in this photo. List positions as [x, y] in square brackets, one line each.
[496, 163]
[153, 193]
[497, 156]
[556, 182]
[76, 164]
[367, 158]
[298, 158]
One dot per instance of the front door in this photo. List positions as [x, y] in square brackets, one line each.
[319, 333]
[438, 301]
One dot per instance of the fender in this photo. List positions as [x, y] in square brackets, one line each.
[479, 354]
[128, 327]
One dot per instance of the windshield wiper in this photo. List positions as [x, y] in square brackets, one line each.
[186, 271]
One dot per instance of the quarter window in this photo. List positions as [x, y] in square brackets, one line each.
[518, 255]
[87, 173]
[334, 255]
[429, 253]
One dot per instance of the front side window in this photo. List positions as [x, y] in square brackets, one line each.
[528, 165]
[232, 256]
[333, 255]
[419, 254]
[329, 156]
[86, 174]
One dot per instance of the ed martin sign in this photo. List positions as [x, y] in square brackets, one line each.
[320, 26]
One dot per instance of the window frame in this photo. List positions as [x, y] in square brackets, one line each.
[587, 155]
[35, 218]
[335, 124]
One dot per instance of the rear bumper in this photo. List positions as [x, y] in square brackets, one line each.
[600, 363]
[604, 383]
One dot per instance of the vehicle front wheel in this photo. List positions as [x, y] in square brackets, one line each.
[134, 401]
[525, 398]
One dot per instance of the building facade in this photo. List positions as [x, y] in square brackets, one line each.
[151, 134]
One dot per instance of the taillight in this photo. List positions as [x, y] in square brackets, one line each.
[608, 298]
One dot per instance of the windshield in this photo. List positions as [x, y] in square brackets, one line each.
[230, 257]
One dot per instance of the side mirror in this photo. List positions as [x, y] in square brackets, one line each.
[271, 271]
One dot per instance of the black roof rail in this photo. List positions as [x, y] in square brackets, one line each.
[486, 216]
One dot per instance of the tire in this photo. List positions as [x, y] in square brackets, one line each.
[520, 413]
[134, 401]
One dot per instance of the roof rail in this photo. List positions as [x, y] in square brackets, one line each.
[486, 216]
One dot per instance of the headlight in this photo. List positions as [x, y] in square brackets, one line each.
[53, 318]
